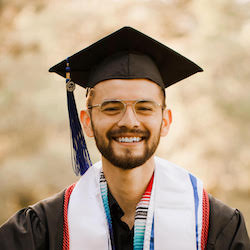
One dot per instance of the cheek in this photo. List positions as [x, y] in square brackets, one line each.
[101, 126]
[154, 126]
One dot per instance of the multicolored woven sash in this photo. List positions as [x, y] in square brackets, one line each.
[104, 193]
[141, 217]
[140, 214]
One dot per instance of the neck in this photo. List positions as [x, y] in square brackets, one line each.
[128, 186]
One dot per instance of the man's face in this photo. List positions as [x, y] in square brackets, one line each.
[127, 140]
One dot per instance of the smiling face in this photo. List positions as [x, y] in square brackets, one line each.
[127, 140]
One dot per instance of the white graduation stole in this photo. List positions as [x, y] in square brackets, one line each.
[175, 205]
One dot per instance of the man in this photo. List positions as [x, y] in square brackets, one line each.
[131, 199]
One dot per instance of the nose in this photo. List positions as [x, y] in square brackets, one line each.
[128, 118]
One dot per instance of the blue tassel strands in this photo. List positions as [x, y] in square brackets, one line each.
[80, 156]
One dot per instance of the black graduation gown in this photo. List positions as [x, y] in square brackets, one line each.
[40, 227]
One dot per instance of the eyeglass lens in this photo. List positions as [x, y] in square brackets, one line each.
[142, 107]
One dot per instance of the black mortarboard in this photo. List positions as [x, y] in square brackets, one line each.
[124, 54]
[116, 49]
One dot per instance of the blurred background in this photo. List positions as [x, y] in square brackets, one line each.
[210, 134]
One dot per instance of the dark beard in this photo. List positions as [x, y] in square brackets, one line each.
[128, 161]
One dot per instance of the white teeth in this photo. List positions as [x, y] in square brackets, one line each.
[129, 139]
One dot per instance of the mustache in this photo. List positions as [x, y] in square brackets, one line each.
[123, 130]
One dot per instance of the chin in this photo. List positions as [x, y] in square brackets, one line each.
[128, 161]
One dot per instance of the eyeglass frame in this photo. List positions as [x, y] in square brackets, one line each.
[123, 101]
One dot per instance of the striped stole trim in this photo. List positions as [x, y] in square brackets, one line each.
[141, 217]
[104, 193]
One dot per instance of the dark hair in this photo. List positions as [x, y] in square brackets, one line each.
[164, 98]
[89, 96]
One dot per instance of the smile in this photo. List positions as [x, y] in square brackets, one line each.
[129, 139]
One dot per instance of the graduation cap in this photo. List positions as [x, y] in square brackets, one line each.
[124, 54]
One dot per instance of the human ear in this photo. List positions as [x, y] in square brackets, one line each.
[166, 121]
[86, 123]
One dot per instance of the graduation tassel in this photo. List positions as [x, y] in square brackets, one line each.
[80, 155]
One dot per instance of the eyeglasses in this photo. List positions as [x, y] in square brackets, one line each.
[118, 107]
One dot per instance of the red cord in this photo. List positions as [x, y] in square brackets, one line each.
[205, 220]
[65, 217]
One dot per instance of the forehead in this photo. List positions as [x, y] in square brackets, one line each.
[127, 89]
